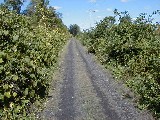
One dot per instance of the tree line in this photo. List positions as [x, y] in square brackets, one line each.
[29, 48]
[131, 50]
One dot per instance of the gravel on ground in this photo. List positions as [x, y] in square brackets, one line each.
[82, 89]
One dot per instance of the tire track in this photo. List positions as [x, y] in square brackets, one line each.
[87, 103]
[110, 114]
[66, 106]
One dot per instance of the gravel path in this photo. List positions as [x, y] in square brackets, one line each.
[83, 90]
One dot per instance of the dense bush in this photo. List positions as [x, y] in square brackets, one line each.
[28, 56]
[131, 49]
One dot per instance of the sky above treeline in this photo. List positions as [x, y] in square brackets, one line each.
[86, 13]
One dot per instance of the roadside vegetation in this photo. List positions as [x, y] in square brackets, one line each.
[29, 47]
[131, 50]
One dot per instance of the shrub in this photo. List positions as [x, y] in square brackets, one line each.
[132, 51]
[28, 56]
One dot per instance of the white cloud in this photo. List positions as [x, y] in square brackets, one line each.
[95, 11]
[92, 11]
[99, 17]
[84, 26]
[57, 7]
[92, 1]
[134, 19]
[124, 0]
[109, 10]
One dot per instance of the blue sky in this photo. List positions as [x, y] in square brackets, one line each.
[86, 12]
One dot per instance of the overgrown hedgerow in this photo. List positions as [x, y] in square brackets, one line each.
[131, 49]
[28, 56]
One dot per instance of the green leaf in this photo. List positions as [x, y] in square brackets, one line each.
[32, 93]
[6, 86]
[15, 37]
[1, 97]
[7, 94]
[25, 101]
[1, 60]
[11, 86]
[27, 59]
[15, 77]
[1, 68]
[11, 105]
[37, 103]
[2, 54]
[17, 109]
[0, 32]
[35, 83]
[6, 32]
[14, 94]
[7, 73]
[32, 76]
[26, 92]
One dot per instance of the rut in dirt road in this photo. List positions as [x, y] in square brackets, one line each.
[67, 91]
[83, 90]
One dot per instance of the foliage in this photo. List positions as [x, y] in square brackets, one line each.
[132, 50]
[14, 4]
[74, 29]
[28, 56]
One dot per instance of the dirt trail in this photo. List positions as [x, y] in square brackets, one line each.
[83, 90]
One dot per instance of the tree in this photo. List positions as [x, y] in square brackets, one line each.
[14, 5]
[42, 13]
[35, 7]
[125, 17]
[74, 29]
[103, 25]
